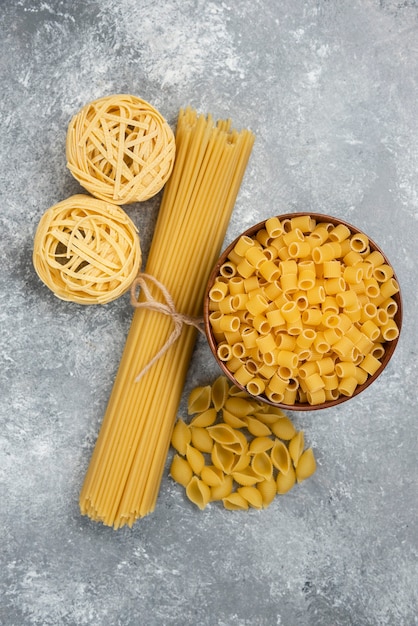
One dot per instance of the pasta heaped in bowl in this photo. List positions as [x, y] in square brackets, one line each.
[303, 311]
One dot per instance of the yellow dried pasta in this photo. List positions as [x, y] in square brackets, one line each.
[243, 462]
[313, 295]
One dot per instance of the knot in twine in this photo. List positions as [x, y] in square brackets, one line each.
[167, 308]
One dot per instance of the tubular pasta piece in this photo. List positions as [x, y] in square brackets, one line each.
[199, 399]
[181, 436]
[285, 482]
[252, 495]
[180, 470]
[198, 492]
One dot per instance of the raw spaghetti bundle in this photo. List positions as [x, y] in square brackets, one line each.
[120, 148]
[124, 475]
[86, 250]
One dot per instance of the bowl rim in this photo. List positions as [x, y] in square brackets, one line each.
[390, 346]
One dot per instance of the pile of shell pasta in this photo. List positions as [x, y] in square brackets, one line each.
[236, 449]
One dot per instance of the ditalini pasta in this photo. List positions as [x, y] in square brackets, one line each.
[246, 466]
[120, 149]
[86, 250]
[305, 313]
[127, 464]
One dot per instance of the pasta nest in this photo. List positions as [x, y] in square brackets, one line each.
[86, 250]
[120, 149]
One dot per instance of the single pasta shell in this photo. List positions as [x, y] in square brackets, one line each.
[266, 417]
[262, 465]
[207, 418]
[195, 459]
[240, 446]
[252, 495]
[212, 475]
[306, 465]
[222, 458]
[201, 439]
[223, 434]
[181, 436]
[268, 490]
[280, 456]
[246, 477]
[283, 428]
[199, 399]
[232, 420]
[235, 502]
[242, 461]
[220, 389]
[180, 470]
[257, 428]
[218, 492]
[285, 482]
[240, 407]
[198, 492]
[236, 392]
[296, 445]
[260, 444]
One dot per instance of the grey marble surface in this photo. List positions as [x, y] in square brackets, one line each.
[330, 90]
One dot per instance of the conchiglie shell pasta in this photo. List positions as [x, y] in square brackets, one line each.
[242, 461]
[180, 470]
[280, 456]
[232, 420]
[246, 477]
[219, 392]
[207, 418]
[306, 465]
[198, 492]
[268, 490]
[195, 459]
[262, 465]
[235, 502]
[199, 399]
[260, 444]
[283, 428]
[257, 428]
[218, 492]
[296, 445]
[252, 495]
[212, 475]
[222, 458]
[223, 434]
[285, 482]
[201, 439]
[181, 436]
[240, 407]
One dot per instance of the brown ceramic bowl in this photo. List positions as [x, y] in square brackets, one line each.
[389, 346]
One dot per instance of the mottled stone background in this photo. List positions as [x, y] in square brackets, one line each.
[330, 90]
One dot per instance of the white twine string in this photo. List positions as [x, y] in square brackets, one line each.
[167, 308]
